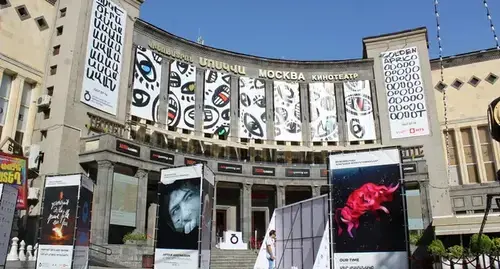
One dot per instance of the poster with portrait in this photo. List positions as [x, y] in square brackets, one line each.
[405, 93]
[359, 110]
[369, 218]
[179, 215]
[207, 194]
[104, 56]
[8, 200]
[83, 224]
[60, 202]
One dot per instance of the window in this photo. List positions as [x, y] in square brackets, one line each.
[4, 96]
[19, 137]
[50, 90]
[492, 78]
[59, 30]
[25, 107]
[62, 13]
[457, 84]
[41, 23]
[4, 3]
[53, 70]
[55, 50]
[474, 81]
[452, 158]
[470, 156]
[487, 152]
[440, 86]
[23, 13]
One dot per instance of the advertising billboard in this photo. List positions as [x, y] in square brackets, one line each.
[82, 240]
[14, 171]
[369, 218]
[8, 201]
[207, 194]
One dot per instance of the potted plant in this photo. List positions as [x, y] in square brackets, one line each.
[135, 238]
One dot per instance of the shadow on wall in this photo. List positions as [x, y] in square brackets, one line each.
[421, 258]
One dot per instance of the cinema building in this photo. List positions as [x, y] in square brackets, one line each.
[119, 103]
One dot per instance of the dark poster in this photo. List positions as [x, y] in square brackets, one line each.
[161, 157]
[128, 148]
[263, 171]
[58, 217]
[84, 217]
[206, 221]
[229, 168]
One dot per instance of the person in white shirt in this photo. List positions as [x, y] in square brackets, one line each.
[270, 247]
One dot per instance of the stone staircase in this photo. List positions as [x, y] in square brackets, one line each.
[230, 259]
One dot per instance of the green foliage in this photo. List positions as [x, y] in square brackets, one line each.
[481, 245]
[495, 248]
[456, 252]
[437, 248]
[134, 236]
[414, 238]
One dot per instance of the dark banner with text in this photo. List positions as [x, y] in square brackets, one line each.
[191, 161]
[229, 168]
[161, 157]
[128, 148]
[263, 171]
[295, 172]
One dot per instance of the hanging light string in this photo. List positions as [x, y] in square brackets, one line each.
[488, 14]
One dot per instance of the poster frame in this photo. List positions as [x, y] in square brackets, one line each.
[12, 226]
[24, 187]
[402, 189]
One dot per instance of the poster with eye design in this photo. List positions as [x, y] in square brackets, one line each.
[323, 111]
[252, 108]
[287, 115]
[181, 95]
[359, 111]
[146, 87]
[217, 103]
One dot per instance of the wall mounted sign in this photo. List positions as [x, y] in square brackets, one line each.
[263, 171]
[161, 157]
[170, 52]
[409, 168]
[229, 168]
[323, 173]
[128, 148]
[334, 77]
[14, 171]
[296, 172]
[190, 161]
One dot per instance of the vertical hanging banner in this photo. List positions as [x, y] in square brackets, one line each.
[253, 116]
[146, 87]
[181, 95]
[179, 215]
[57, 231]
[359, 110]
[14, 171]
[287, 114]
[82, 240]
[405, 91]
[207, 194]
[8, 201]
[217, 103]
[323, 111]
[103, 62]
[370, 232]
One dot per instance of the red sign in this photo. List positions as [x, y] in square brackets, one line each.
[14, 171]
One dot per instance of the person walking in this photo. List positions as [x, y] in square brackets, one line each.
[271, 248]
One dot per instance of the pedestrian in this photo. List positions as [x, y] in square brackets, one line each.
[271, 248]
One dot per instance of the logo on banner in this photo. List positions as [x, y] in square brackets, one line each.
[263, 171]
[291, 172]
[127, 148]
[358, 104]
[229, 168]
[409, 168]
[161, 157]
[234, 239]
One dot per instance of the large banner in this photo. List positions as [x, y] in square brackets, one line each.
[405, 93]
[103, 62]
[14, 171]
[323, 111]
[82, 242]
[57, 232]
[8, 201]
[181, 95]
[359, 110]
[253, 116]
[217, 103]
[124, 200]
[368, 210]
[287, 114]
[179, 215]
[146, 87]
[207, 194]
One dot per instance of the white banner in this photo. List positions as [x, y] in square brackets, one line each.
[103, 63]
[54, 257]
[124, 200]
[169, 175]
[323, 111]
[262, 262]
[322, 259]
[8, 200]
[372, 260]
[176, 258]
[60, 181]
[359, 111]
[217, 103]
[364, 159]
[253, 108]
[287, 114]
[405, 93]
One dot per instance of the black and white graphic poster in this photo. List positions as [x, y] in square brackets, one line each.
[207, 194]
[181, 95]
[146, 87]
[368, 212]
[253, 108]
[287, 115]
[179, 215]
[359, 110]
[404, 87]
[323, 110]
[103, 63]
[8, 201]
[216, 104]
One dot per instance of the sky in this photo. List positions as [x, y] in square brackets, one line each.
[320, 29]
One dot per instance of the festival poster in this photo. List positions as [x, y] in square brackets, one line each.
[207, 194]
[179, 215]
[368, 210]
[55, 247]
[13, 171]
[82, 239]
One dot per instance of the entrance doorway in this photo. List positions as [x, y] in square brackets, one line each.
[221, 222]
[259, 224]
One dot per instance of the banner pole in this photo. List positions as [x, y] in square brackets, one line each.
[200, 217]
[405, 210]
[40, 219]
[77, 217]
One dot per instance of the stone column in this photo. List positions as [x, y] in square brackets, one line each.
[424, 201]
[153, 208]
[101, 209]
[199, 97]
[12, 113]
[280, 196]
[30, 118]
[142, 195]
[316, 190]
[246, 208]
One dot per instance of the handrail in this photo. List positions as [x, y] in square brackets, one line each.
[289, 234]
[107, 251]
